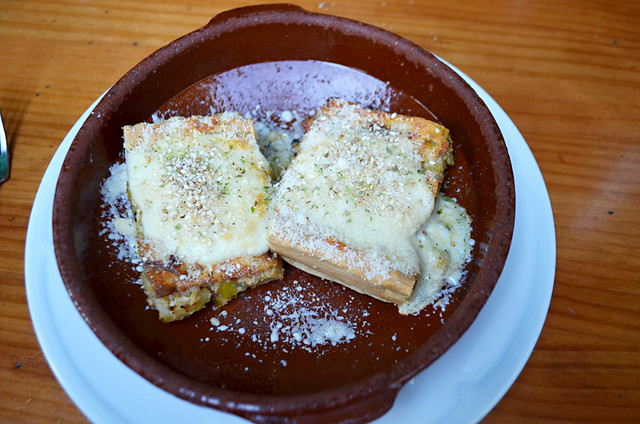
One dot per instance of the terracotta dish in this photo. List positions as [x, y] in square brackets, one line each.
[282, 58]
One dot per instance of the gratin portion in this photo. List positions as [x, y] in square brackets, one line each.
[199, 188]
[350, 205]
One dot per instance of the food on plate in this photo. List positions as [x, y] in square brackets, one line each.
[199, 188]
[355, 199]
[359, 204]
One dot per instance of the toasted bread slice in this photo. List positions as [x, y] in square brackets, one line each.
[350, 205]
[199, 188]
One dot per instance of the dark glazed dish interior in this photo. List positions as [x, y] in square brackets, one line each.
[282, 58]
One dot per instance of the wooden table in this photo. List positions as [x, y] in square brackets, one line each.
[567, 73]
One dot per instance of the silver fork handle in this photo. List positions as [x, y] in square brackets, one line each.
[4, 154]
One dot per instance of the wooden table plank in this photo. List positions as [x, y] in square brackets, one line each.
[567, 73]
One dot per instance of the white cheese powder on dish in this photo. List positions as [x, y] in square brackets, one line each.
[296, 319]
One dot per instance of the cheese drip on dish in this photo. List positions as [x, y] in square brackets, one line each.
[444, 246]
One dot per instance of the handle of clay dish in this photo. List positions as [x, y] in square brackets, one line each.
[246, 10]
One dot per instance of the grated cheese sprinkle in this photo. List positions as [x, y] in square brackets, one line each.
[296, 319]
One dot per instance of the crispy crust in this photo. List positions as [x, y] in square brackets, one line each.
[179, 290]
[395, 288]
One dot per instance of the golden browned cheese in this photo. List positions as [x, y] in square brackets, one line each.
[199, 188]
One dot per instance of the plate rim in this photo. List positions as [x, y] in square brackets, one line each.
[42, 332]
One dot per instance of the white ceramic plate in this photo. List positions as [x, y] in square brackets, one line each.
[462, 386]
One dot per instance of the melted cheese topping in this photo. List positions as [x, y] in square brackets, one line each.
[444, 246]
[200, 187]
[365, 183]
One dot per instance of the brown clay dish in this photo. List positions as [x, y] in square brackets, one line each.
[282, 58]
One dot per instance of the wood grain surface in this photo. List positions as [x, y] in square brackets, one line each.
[566, 72]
